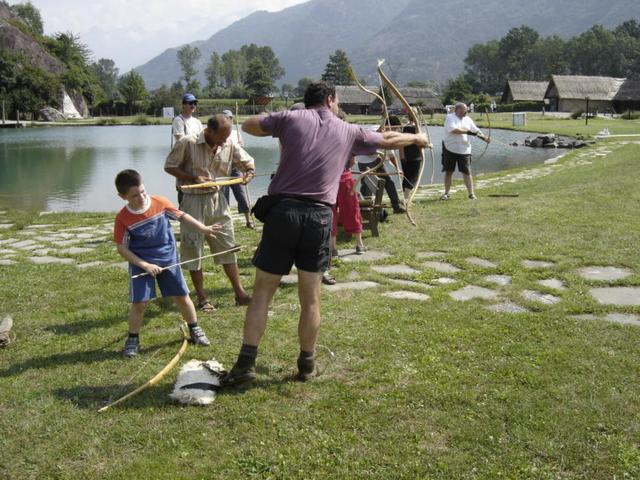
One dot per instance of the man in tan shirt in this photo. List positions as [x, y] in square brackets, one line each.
[205, 158]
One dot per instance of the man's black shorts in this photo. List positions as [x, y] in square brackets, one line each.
[295, 232]
[450, 160]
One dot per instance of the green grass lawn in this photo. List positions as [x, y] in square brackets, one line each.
[439, 389]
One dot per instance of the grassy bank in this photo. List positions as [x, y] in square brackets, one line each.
[435, 389]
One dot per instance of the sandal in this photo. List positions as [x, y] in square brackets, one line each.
[206, 306]
[250, 225]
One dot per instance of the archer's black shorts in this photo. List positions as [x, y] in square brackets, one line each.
[411, 171]
[295, 231]
[450, 159]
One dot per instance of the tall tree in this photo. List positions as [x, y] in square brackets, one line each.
[132, 88]
[107, 73]
[29, 15]
[457, 90]
[303, 83]
[258, 81]
[337, 70]
[214, 74]
[187, 57]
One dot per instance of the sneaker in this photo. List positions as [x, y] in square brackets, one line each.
[360, 249]
[328, 279]
[473, 197]
[198, 337]
[237, 377]
[131, 347]
[445, 196]
[306, 369]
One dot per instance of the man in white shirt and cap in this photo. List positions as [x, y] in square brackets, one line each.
[456, 148]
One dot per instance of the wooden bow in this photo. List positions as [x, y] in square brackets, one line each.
[158, 376]
[486, 111]
[215, 183]
[416, 121]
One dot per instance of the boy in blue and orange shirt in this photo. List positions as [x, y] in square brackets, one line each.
[144, 238]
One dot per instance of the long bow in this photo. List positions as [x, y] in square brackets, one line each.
[486, 111]
[157, 377]
[215, 183]
[416, 121]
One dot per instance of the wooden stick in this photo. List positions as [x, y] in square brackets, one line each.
[231, 250]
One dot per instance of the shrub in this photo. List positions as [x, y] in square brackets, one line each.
[577, 114]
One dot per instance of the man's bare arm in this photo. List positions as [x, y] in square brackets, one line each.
[252, 126]
[392, 140]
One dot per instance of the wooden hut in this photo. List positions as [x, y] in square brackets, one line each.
[569, 93]
[628, 96]
[524, 91]
[353, 100]
[421, 97]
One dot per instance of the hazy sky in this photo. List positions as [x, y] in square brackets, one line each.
[131, 32]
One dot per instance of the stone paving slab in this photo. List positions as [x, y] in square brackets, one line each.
[120, 265]
[7, 262]
[502, 280]
[410, 283]
[369, 256]
[4, 250]
[534, 264]
[395, 270]
[4, 241]
[445, 281]
[43, 251]
[604, 274]
[65, 243]
[5, 226]
[507, 307]
[623, 318]
[405, 295]
[351, 286]
[616, 295]
[540, 297]
[48, 260]
[39, 226]
[23, 244]
[430, 255]
[96, 263]
[480, 262]
[553, 283]
[472, 291]
[442, 267]
[76, 250]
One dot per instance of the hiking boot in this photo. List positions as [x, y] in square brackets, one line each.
[445, 196]
[306, 369]
[328, 279]
[198, 337]
[473, 196]
[238, 376]
[131, 347]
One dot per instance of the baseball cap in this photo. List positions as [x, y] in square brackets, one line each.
[227, 113]
[189, 97]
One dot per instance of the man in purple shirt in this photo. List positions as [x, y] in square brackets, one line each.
[315, 147]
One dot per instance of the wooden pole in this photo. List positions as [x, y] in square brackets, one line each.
[3, 116]
[586, 114]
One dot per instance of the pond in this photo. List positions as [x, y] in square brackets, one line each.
[72, 168]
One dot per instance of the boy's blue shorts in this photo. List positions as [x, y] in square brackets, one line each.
[143, 289]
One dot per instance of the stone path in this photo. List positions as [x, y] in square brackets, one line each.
[617, 295]
[472, 291]
[405, 295]
[604, 274]
[480, 262]
[544, 298]
[536, 264]
[501, 280]
[442, 267]
[553, 283]
[395, 269]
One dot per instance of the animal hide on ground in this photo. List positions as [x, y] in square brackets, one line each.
[198, 382]
[5, 329]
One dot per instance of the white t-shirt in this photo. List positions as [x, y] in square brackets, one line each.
[457, 143]
[185, 126]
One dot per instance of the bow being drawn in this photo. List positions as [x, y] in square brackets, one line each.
[486, 111]
[416, 121]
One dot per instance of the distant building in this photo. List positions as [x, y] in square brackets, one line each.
[569, 93]
[355, 101]
[421, 97]
[524, 91]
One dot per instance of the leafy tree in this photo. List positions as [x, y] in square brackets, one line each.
[268, 58]
[337, 70]
[233, 68]
[595, 52]
[258, 81]
[303, 83]
[132, 88]
[164, 97]
[457, 90]
[287, 90]
[214, 75]
[107, 73]
[68, 48]
[187, 57]
[30, 16]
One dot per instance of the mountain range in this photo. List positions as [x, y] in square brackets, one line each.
[420, 39]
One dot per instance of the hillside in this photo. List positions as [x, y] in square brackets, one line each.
[421, 39]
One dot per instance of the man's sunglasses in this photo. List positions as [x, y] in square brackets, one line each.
[195, 102]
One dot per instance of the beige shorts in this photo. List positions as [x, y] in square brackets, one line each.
[209, 208]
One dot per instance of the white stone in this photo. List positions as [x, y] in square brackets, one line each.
[404, 295]
[4, 250]
[42, 251]
[351, 286]
[47, 260]
[445, 280]
[431, 254]
[553, 283]
[120, 265]
[480, 262]
[604, 274]
[617, 295]
[4, 226]
[23, 244]
[42, 225]
[65, 243]
[501, 280]
[472, 291]
[540, 297]
[8, 240]
[369, 256]
[507, 307]
[441, 267]
[395, 270]
[76, 250]
[82, 266]
[27, 233]
[534, 264]
[7, 262]
[409, 283]
[624, 318]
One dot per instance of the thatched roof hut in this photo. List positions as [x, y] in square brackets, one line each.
[628, 97]
[524, 91]
[353, 100]
[568, 93]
